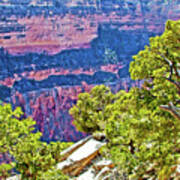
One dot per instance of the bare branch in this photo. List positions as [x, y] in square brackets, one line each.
[172, 67]
[177, 84]
[169, 62]
[166, 59]
[177, 72]
[175, 111]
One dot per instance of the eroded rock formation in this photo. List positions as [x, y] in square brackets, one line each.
[52, 50]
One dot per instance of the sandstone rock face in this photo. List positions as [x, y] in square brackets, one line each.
[52, 50]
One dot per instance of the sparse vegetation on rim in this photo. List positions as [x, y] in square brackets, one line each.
[143, 125]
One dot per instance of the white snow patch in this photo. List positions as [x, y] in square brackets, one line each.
[63, 164]
[104, 170]
[75, 145]
[178, 168]
[86, 150]
[17, 177]
[103, 163]
[88, 175]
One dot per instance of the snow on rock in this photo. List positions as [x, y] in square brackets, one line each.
[88, 175]
[86, 150]
[17, 177]
[80, 155]
[82, 161]
[103, 172]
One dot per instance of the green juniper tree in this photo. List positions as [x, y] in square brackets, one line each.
[89, 112]
[143, 125]
[33, 159]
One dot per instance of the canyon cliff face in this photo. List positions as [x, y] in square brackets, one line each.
[52, 50]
